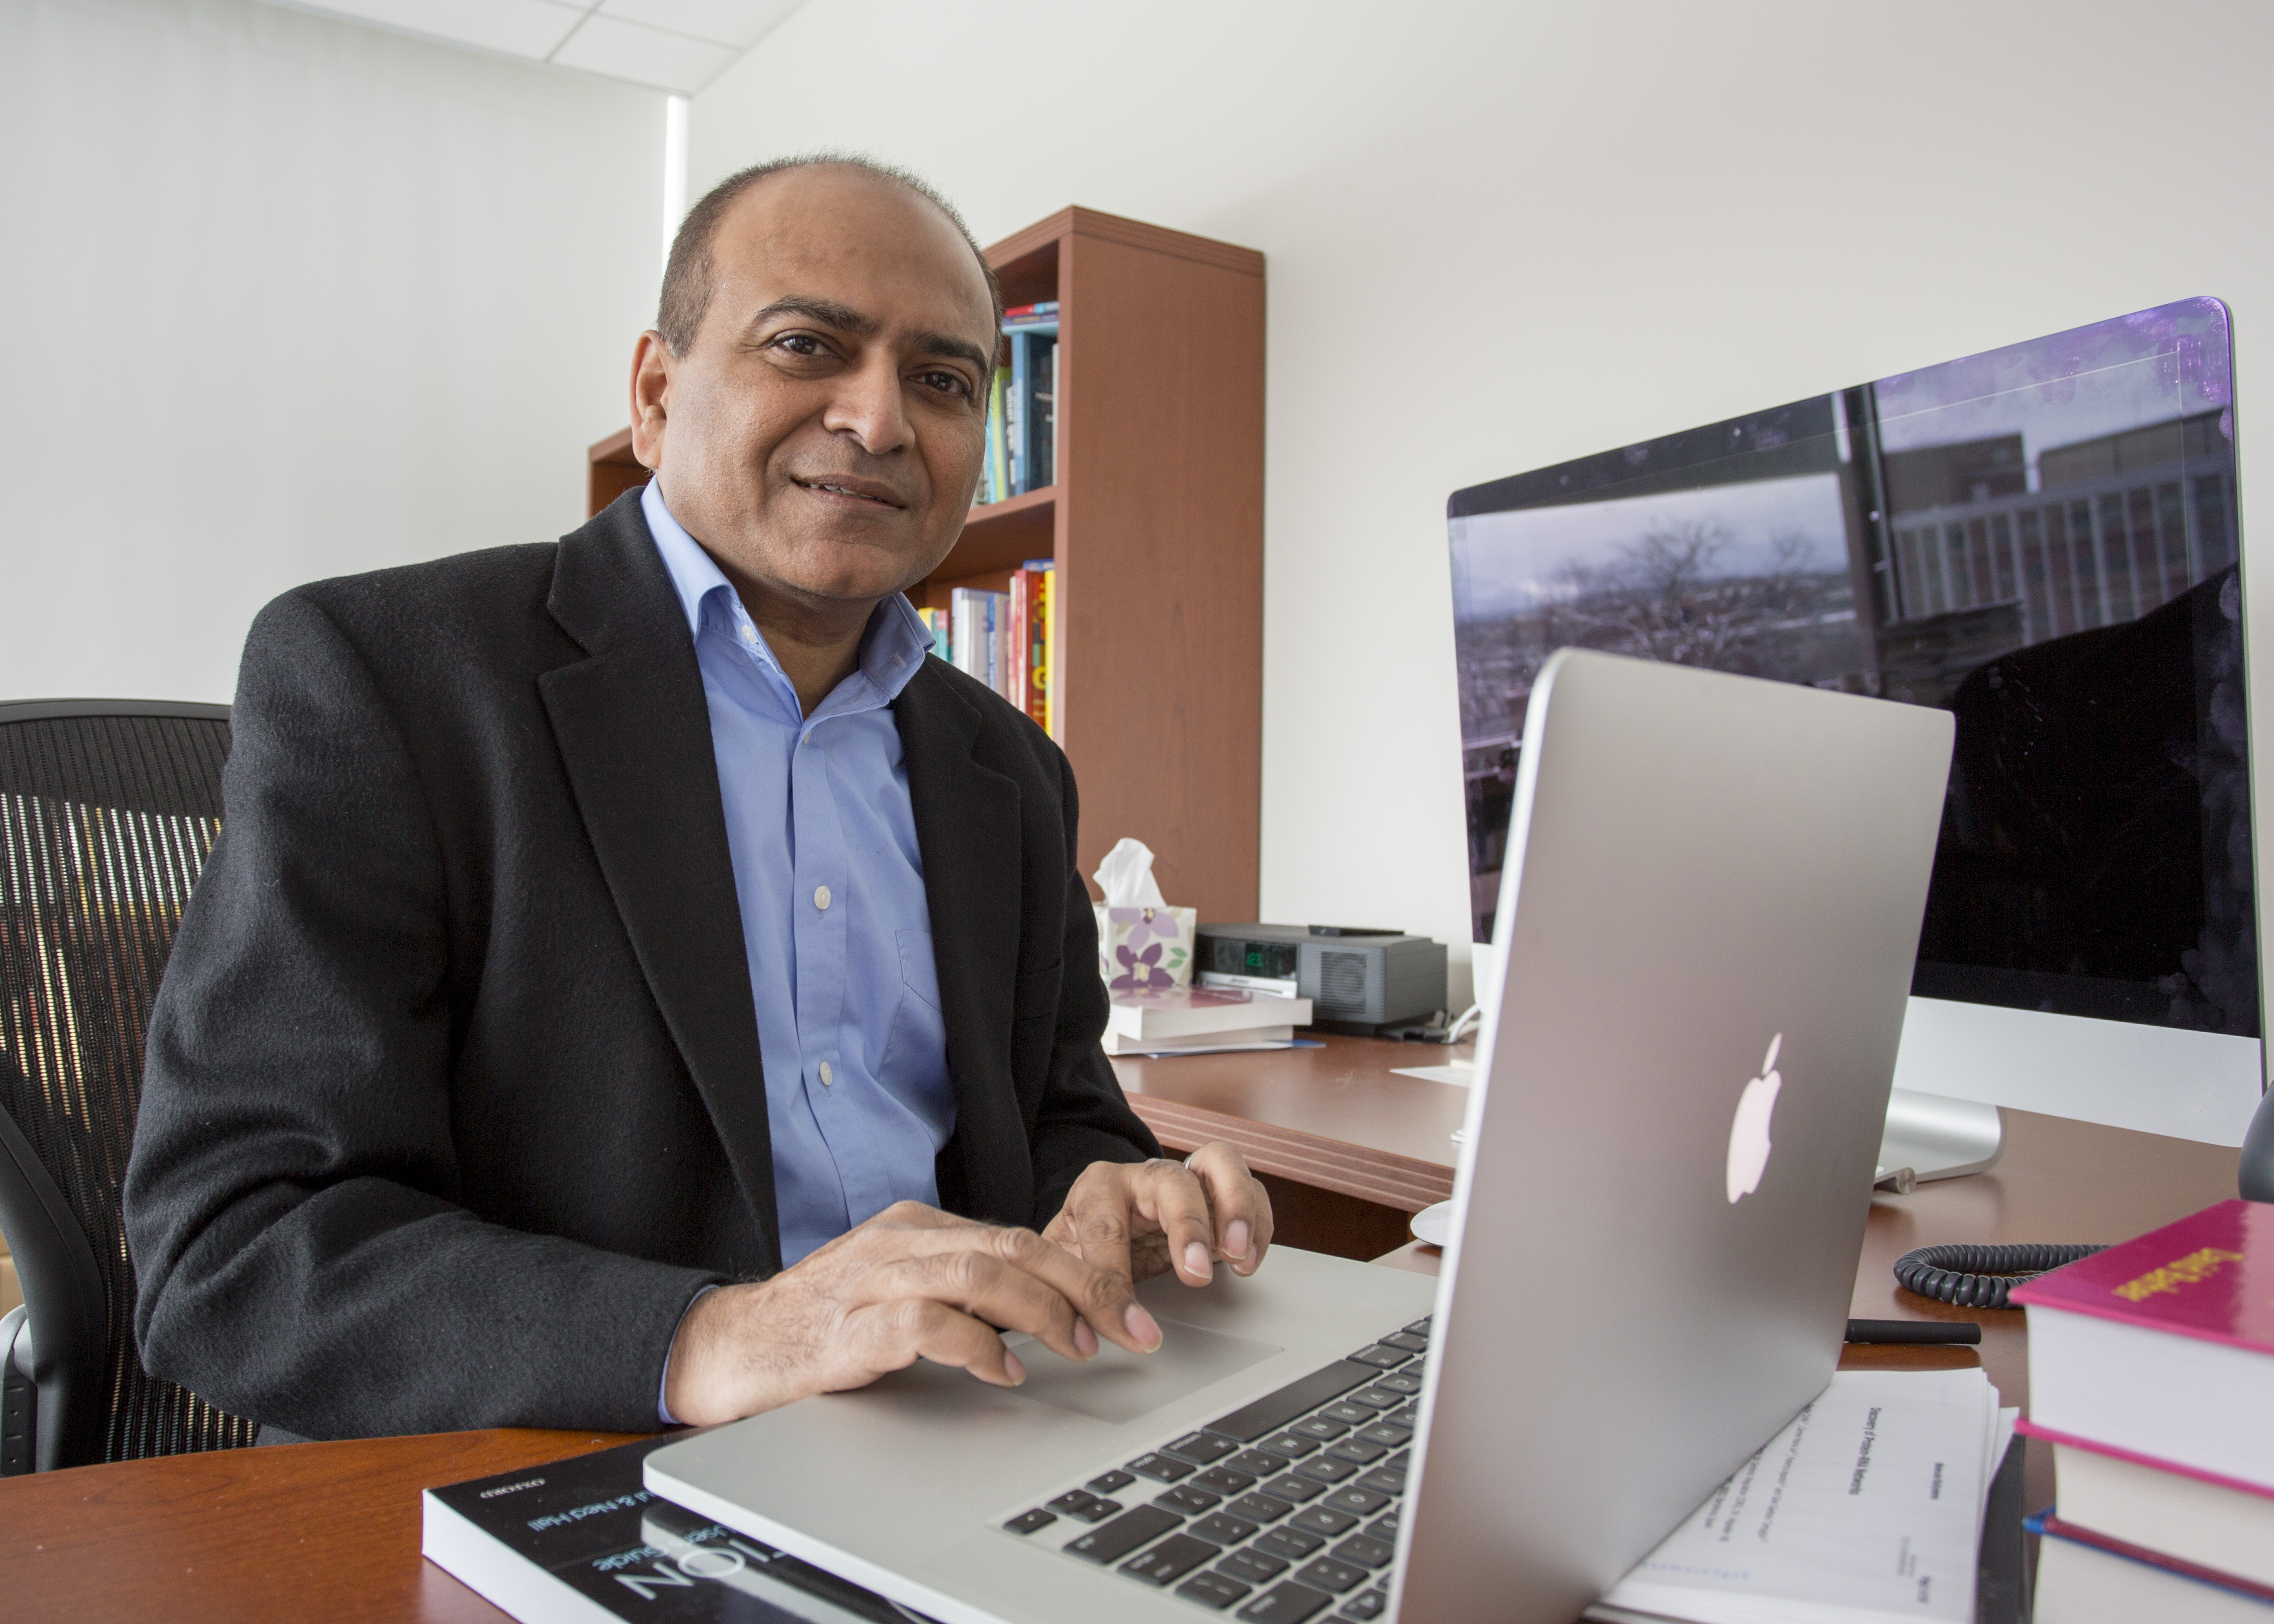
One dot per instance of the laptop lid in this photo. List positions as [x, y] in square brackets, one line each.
[1704, 940]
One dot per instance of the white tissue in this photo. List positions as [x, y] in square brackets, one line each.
[1126, 876]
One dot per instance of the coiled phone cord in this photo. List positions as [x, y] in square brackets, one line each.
[1980, 1276]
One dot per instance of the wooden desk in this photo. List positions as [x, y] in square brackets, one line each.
[1348, 1150]
[331, 1530]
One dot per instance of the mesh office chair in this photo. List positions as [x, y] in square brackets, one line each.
[108, 809]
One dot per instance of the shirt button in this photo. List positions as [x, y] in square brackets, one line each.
[821, 897]
[825, 1077]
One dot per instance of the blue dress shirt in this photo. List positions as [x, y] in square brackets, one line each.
[834, 920]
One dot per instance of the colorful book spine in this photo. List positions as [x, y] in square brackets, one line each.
[999, 450]
[1027, 313]
[1019, 625]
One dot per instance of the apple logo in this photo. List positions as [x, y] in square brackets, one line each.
[1749, 1129]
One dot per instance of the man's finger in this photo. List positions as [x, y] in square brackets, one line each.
[978, 1281]
[1171, 1196]
[889, 1337]
[1241, 1205]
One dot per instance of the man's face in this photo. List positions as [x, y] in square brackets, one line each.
[823, 433]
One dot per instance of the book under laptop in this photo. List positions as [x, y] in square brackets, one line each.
[1704, 944]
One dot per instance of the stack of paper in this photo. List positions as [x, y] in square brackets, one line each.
[1867, 1506]
[1201, 1020]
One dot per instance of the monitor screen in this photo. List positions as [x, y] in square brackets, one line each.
[2042, 539]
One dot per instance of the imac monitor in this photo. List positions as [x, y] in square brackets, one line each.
[2042, 539]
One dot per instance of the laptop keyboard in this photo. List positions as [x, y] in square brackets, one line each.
[1284, 1511]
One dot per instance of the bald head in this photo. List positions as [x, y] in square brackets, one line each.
[688, 278]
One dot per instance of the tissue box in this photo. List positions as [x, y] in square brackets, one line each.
[1145, 949]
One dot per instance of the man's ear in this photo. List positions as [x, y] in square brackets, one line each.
[652, 363]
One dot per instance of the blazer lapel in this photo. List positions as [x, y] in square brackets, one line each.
[967, 831]
[634, 731]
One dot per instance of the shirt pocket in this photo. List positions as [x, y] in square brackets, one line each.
[915, 1047]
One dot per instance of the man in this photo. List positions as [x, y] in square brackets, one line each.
[597, 928]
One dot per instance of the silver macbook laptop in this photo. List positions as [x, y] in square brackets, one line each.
[1704, 942]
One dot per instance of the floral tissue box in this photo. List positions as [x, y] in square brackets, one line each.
[1145, 950]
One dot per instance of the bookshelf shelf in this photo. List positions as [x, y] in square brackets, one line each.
[1155, 526]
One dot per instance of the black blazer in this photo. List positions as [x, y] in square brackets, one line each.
[452, 1098]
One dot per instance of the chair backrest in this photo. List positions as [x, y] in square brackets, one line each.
[107, 810]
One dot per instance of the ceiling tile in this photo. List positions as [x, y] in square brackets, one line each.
[532, 28]
[739, 23]
[644, 56]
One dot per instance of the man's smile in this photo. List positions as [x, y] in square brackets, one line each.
[867, 492]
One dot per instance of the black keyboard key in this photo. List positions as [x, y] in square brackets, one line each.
[1087, 1507]
[1222, 1480]
[1350, 1497]
[1382, 1357]
[1329, 1574]
[1349, 1415]
[1107, 1483]
[1420, 1327]
[1223, 1528]
[1326, 1469]
[1163, 1468]
[1287, 1603]
[1213, 1590]
[1323, 1520]
[1358, 1452]
[1384, 1527]
[1188, 1501]
[1387, 1432]
[1259, 1508]
[1028, 1521]
[1412, 1341]
[1202, 1449]
[1275, 1410]
[1123, 1535]
[1291, 1487]
[1408, 1382]
[1320, 1430]
[1365, 1550]
[1256, 1567]
[1389, 1479]
[1259, 1463]
[1377, 1398]
[1172, 1560]
[1295, 1543]
[1366, 1604]
[1291, 1445]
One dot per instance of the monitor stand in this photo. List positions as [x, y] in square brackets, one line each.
[1937, 1137]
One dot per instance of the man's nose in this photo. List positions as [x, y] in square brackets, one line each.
[868, 405]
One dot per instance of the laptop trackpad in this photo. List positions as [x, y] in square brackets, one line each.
[1117, 1386]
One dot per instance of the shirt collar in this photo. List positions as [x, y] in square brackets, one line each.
[894, 649]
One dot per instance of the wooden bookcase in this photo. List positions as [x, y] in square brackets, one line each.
[1156, 523]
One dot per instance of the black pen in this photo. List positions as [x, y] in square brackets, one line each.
[1938, 1333]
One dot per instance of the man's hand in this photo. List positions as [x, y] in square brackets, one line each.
[1135, 1221]
[911, 1282]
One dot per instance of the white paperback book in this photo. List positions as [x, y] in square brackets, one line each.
[1194, 1011]
[1867, 1506]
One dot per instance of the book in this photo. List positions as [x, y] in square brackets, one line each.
[1017, 630]
[2164, 1346]
[585, 1539]
[2085, 1579]
[997, 485]
[1027, 313]
[1039, 576]
[1200, 1042]
[1867, 1505]
[1197, 1012]
[2213, 1522]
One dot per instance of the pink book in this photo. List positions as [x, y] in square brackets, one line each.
[2164, 1347]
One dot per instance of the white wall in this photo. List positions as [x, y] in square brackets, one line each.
[1503, 234]
[283, 298]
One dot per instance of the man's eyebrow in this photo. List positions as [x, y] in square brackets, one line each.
[845, 319]
[956, 349]
[829, 313]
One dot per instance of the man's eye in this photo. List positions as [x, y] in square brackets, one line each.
[948, 383]
[801, 344]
